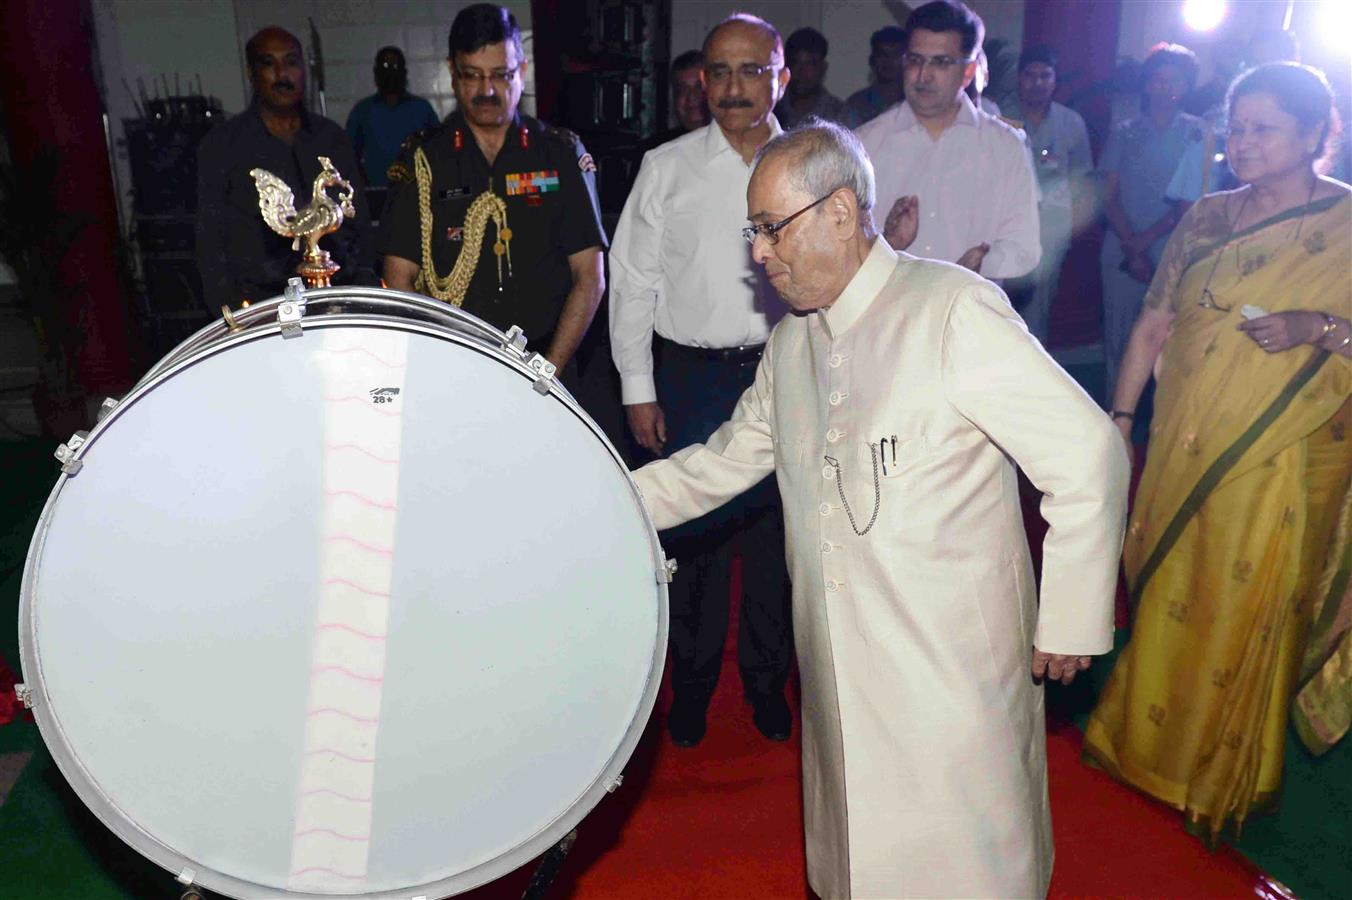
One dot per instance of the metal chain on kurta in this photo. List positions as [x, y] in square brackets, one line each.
[453, 287]
[877, 492]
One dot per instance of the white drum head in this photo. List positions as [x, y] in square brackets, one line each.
[359, 613]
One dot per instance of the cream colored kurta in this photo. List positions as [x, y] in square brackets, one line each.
[924, 764]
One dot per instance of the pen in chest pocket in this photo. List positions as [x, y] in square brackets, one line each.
[883, 443]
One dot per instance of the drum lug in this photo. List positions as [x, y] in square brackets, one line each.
[107, 406]
[24, 694]
[667, 572]
[516, 341]
[544, 372]
[615, 785]
[186, 878]
[65, 454]
[292, 308]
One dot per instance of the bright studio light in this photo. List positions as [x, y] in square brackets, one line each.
[1203, 15]
[1333, 20]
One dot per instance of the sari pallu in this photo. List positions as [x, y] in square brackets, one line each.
[1230, 548]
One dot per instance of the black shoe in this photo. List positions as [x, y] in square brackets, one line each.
[686, 721]
[772, 717]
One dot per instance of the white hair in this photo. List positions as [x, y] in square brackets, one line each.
[827, 157]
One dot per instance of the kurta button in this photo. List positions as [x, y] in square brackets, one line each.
[828, 472]
[833, 435]
[836, 397]
[835, 360]
[831, 586]
[824, 509]
[826, 546]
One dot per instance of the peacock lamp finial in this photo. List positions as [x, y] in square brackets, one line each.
[324, 215]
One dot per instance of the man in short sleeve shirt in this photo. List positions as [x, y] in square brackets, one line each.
[549, 278]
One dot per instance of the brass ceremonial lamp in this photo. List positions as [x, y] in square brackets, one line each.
[323, 216]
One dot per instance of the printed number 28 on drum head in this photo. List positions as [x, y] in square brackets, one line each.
[350, 614]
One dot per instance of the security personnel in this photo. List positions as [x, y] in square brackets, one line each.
[515, 196]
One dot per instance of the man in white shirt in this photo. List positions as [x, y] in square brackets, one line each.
[970, 172]
[1063, 162]
[682, 279]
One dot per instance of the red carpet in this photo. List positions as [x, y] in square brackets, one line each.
[724, 820]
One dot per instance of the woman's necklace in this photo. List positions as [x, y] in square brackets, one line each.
[1208, 300]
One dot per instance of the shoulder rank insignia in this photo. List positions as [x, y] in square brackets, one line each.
[417, 139]
[562, 134]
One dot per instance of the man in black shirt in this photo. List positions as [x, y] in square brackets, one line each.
[238, 255]
[549, 277]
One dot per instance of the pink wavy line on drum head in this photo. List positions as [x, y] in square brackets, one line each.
[361, 498]
[339, 794]
[364, 352]
[386, 552]
[344, 670]
[362, 450]
[355, 838]
[343, 626]
[326, 871]
[357, 587]
[347, 756]
[365, 720]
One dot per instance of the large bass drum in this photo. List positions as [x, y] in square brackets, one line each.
[350, 598]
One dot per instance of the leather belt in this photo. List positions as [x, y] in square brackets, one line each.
[743, 354]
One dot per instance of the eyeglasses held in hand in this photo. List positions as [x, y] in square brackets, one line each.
[770, 230]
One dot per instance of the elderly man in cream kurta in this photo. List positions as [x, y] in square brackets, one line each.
[893, 407]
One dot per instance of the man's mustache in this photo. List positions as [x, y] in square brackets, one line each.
[487, 100]
[735, 103]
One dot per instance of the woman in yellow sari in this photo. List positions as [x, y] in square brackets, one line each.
[1237, 548]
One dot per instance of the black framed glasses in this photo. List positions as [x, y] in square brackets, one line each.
[770, 230]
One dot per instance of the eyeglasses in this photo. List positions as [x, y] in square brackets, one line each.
[770, 230]
[718, 73]
[940, 64]
[392, 66]
[497, 79]
[1208, 301]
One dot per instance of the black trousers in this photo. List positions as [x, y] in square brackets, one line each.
[698, 391]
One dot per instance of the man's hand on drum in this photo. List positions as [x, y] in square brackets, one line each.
[648, 424]
[1058, 666]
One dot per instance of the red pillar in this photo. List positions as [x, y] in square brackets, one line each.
[49, 97]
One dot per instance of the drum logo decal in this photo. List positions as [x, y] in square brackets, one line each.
[384, 395]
